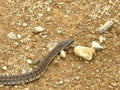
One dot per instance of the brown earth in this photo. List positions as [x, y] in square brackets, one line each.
[61, 19]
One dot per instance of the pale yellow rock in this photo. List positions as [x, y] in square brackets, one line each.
[84, 52]
[63, 54]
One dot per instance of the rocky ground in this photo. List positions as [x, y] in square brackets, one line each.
[27, 27]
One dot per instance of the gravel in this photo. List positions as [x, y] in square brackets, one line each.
[12, 35]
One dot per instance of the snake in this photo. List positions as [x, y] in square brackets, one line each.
[37, 72]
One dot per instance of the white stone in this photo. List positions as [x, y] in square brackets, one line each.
[105, 27]
[102, 39]
[51, 45]
[19, 36]
[84, 52]
[48, 9]
[38, 29]
[29, 61]
[12, 35]
[96, 46]
[60, 82]
[63, 54]
[4, 68]
[24, 71]
[24, 24]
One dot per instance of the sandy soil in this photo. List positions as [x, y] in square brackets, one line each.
[60, 19]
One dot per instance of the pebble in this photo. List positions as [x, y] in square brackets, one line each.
[60, 82]
[48, 9]
[114, 84]
[38, 29]
[54, 86]
[60, 32]
[51, 45]
[102, 39]
[29, 61]
[67, 80]
[12, 35]
[24, 71]
[97, 70]
[84, 52]
[105, 27]
[96, 46]
[24, 24]
[19, 36]
[77, 78]
[63, 54]
[4, 68]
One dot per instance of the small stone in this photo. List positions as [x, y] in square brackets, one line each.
[29, 61]
[60, 82]
[54, 86]
[102, 39]
[77, 78]
[12, 35]
[97, 70]
[24, 24]
[114, 84]
[66, 80]
[118, 71]
[105, 27]
[37, 29]
[51, 45]
[60, 32]
[96, 46]
[16, 43]
[40, 14]
[118, 64]
[63, 54]
[84, 52]
[4, 68]
[43, 36]
[19, 36]
[24, 71]
[48, 9]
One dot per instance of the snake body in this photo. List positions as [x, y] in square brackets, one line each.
[37, 72]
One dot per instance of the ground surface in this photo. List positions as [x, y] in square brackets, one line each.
[61, 19]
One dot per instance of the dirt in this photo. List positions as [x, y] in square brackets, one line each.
[61, 19]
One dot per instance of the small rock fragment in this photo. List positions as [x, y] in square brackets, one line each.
[51, 45]
[96, 46]
[4, 68]
[97, 70]
[63, 54]
[60, 82]
[102, 39]
[16, 43]
[105, 27]
[24, 71]
[84, 52]
[24, 24]
[19, 36]
[48, 9]
[12, 35]
[37, 29]
[67, 80]
[29, 61]
[77, 78]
